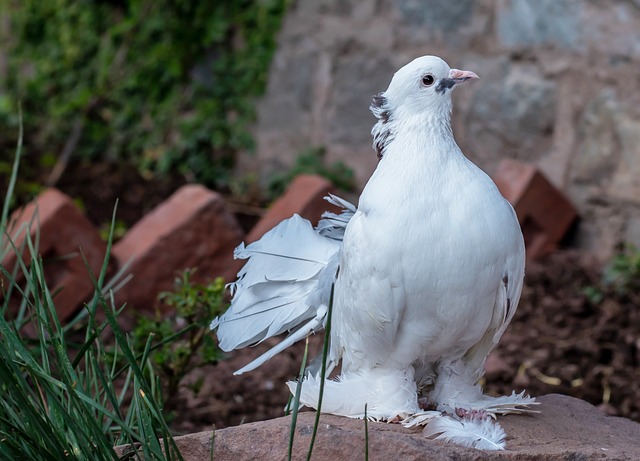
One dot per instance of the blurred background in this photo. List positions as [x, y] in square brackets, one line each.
[118, 94]
[131, 99]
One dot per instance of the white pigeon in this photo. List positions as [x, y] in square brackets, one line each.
[428, 271]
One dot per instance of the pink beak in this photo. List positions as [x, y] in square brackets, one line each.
[462, 75]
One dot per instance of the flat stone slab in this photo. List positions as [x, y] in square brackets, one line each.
[565, 429]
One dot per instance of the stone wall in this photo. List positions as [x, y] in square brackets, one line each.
[558, 87]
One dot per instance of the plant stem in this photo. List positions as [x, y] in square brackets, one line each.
[296, 399]
[323, 371]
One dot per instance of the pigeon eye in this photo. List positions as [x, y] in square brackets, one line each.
[428, 80]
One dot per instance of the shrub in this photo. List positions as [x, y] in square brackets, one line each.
[167, 85]
[183, 340]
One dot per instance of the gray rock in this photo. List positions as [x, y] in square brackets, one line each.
[526, 23]
[442, 15]
[625, 183]
[599, 148]
[565, 429]
[632, 230]
[291, 90]
[426, 23]
[357, 79]
[609, 149]
[512, 113]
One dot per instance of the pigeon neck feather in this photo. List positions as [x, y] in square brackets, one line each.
[410, 120]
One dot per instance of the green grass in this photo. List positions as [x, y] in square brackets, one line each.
[63, 397]
[323, 372]
[294, 401]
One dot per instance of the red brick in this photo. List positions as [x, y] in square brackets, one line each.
[304, 196]
[191, 229]
[63, 231]
[545, 214]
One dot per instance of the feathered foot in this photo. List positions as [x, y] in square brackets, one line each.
[514, 403]
[473, 424]
[420, 418]
[386, 395]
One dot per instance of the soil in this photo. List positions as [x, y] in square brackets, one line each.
[558, 342]
[98, 186]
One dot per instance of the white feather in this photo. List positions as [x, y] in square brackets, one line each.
[295, 336]
[284, 286]
[383, 392]
[333, 225]
[514, 403]
[484, 434]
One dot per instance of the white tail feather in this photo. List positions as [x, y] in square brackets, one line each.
[270, 295]
[285, 284]
[294, 337]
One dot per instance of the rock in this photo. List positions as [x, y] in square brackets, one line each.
[304, 196]
[604, 175]
[599, 150]
[625, 183]
[531, 23]
[512, 113]
[191, 229]
[437, 20]
[565, 429]
[544, 213]
[63, 233]
[601, 229]
[441, 14]
[632, 232]
[357, 79]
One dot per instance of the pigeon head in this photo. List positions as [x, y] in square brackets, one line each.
[419, 92]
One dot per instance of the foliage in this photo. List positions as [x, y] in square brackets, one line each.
[621, 276]
[167, 85]
[623, 272]
[60, 399]
[312, 161]
[175, 353]
[119, 229]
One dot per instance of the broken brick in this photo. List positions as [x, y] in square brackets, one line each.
[544, 213]
[64, 235]
[304, 196]
[191, 229]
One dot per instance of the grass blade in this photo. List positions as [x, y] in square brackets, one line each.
[323, 371]
[213, 443]
[296, 399]
[366, 434]
[14, 174]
